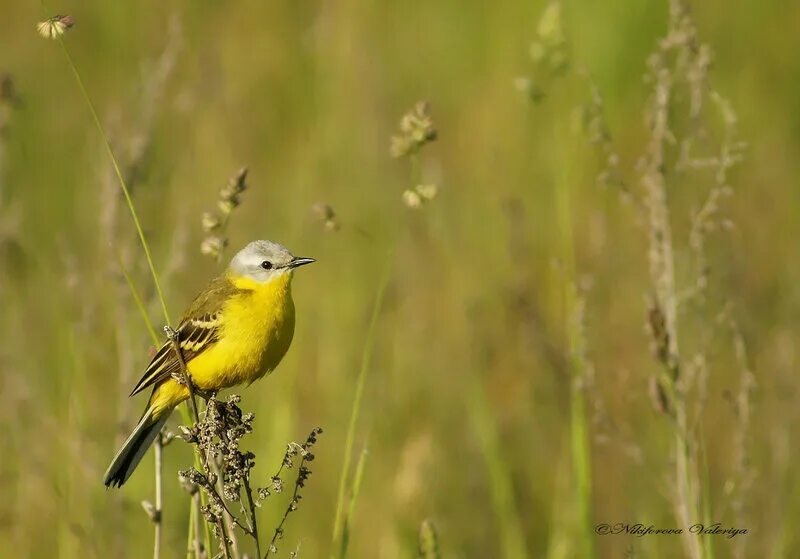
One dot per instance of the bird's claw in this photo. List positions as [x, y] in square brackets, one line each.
[204, 394]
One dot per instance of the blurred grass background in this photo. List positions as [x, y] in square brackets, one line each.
[465, 413]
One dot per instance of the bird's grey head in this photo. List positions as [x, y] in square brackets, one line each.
[264, 260]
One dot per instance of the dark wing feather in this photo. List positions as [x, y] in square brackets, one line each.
[199, 330]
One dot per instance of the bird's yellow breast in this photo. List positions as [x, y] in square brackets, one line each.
[256, 331]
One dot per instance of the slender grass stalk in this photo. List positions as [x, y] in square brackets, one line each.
[549, 65]
[416, 130]
[579, 440]
[359, 475]
[351, 509]
[253, 518]
[581, 464]
[193, 543]
[366, 357]
[158, 445]
[686, 499]
[512, 536]
[118, 172]
[662, 263]
[137, 299]
[705, 485]
[199, 502]
[158, 451]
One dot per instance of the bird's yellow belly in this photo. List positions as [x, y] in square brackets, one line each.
[255, 336]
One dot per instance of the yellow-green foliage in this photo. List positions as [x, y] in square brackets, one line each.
[482, 387]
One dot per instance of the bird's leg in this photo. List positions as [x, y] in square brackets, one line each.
[204, 394]
[182, 374]
[183, 378]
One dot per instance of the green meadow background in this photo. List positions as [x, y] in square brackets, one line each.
[466, 413]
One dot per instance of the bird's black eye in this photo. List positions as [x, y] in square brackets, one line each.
[266, 264]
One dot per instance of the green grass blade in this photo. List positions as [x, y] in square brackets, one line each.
[366, 357]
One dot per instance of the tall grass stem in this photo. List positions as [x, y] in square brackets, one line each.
[579, 440]
[366, 358]
[118, 172]
[347, 525]
[511, 534]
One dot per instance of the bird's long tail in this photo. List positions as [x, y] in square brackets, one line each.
[138, 442]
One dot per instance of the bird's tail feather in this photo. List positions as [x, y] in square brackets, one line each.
[131, 453]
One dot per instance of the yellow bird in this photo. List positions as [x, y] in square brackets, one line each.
[236, 331]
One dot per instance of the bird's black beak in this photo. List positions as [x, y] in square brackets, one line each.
[298, 261]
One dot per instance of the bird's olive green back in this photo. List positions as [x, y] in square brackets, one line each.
[197, 332]
[211, 299]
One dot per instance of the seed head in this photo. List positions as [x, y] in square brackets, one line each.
[416, 130]
[55, 26]
[210, 222]
[428, 541]
[427, 191]
[324, 214]
[235, 186]
[420, 194]
[226, 206]
[213, 245]
[412, 199]
[228, 199]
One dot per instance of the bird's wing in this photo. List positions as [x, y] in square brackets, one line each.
[195, 335]
[198, 331]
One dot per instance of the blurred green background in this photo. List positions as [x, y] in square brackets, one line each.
[466, 406]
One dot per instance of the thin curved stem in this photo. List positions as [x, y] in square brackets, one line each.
[366, 357]
[118, 172]
[159, 498]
